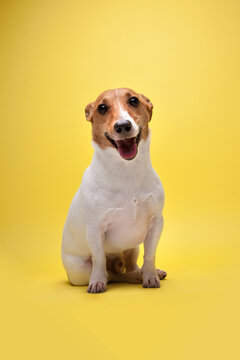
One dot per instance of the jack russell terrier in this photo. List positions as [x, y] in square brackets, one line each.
[120, 201]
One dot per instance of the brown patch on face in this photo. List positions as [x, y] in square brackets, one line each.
[104, 122]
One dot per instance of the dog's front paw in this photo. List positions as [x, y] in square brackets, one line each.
[96, 287]
[151, 280]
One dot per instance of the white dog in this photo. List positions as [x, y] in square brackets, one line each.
[120, 201]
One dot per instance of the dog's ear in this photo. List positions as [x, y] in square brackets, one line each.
[89, 111]
[148, 104]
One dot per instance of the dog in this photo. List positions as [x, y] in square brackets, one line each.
[120, 201]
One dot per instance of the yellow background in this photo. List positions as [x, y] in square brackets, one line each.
[56, 57]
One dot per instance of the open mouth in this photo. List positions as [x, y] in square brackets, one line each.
[127, 148]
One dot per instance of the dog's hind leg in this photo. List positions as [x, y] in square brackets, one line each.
[161, 274]
[130, 257]
[78, 269]
[133, 277]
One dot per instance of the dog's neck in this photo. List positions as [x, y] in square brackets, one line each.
[108, 164]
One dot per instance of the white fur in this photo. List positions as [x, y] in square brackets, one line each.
[117, 207]
[124, 115]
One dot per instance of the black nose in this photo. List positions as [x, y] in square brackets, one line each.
[124, 125]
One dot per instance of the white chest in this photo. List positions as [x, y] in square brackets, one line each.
[121, 197]
[128, 221]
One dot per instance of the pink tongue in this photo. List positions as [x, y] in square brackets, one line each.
[127, 148]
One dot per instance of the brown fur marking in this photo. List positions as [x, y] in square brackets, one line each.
[102, 123]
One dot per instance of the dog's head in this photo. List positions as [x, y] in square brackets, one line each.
[120, 120]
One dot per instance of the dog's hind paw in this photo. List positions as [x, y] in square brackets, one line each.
[161, 274]
[134, 277]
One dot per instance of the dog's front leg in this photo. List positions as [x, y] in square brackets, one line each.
[149, 272]
[98, 278]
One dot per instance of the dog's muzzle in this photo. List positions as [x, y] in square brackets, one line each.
[127, 147]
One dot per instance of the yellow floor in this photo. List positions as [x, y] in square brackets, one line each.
[56, 57]
[194, 315]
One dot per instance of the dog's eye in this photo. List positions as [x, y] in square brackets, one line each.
[102, 109]
[133, 101]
